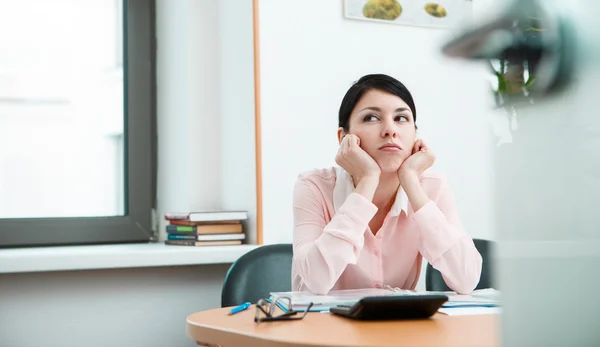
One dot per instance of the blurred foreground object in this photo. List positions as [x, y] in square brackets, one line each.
[544, 56]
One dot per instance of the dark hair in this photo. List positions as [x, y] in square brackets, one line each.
[366, 83]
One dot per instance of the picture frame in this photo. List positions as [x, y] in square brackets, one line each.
[419, 13]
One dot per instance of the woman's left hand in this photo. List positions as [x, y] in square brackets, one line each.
[421, 159]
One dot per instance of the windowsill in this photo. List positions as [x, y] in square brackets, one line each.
[115, 256]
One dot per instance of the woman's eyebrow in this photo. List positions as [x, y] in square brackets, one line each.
[372, 108]
[375, 108]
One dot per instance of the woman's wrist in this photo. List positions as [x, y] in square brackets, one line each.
[408, 176]
[367, 186]
[411, 183]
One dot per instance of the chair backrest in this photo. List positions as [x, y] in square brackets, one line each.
[257, 273]
[434, 280]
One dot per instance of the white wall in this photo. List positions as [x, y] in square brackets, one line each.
[122, 308]
[187, 106]
[236, 100]
[309, 58]
[205, 106]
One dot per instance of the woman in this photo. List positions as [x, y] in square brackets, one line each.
[369, 222]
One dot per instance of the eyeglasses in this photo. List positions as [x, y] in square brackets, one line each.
[265, 310]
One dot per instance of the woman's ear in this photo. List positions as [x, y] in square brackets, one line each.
[340, 135]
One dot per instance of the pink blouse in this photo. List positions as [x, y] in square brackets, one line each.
[334, 247]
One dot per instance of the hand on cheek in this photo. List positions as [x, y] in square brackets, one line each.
[419, 146]
[352, 158]
[420, 160]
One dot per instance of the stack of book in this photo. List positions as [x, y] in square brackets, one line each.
[213, 228]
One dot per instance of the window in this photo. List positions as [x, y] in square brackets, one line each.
[77, 122]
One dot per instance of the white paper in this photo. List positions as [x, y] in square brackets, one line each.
[469, 311]
[300, 300]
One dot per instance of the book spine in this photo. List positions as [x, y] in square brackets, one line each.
[181, 242]
[181, 237]
[181, 229]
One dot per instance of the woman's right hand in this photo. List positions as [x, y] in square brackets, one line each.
[358, 163]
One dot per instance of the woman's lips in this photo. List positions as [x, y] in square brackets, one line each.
[390, 147]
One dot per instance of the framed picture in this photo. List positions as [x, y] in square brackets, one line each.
[423, 13]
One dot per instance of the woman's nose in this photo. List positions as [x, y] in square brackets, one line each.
[389, 130]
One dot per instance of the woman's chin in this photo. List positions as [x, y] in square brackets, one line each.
[388, 168]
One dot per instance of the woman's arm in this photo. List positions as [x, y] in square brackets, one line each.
[443, 242]
[323, 250]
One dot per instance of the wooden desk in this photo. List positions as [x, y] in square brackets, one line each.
[324, 329]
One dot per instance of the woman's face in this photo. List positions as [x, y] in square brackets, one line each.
[386, 128]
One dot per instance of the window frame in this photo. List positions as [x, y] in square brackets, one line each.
[136, 225]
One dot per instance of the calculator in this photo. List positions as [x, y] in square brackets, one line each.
[392, 307]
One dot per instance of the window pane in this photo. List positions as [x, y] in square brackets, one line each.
[61, 108]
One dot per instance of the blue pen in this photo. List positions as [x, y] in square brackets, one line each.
[240, 308]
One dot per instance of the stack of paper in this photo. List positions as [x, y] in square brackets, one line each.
[484, 301]
[469, 311]
[300, 300]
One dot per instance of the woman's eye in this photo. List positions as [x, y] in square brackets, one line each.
[401, 119]
[370, 118]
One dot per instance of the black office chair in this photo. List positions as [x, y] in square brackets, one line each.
[434, 280]
[257, 273]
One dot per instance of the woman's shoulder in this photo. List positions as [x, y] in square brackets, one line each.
[323, 175]
[322, 179]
